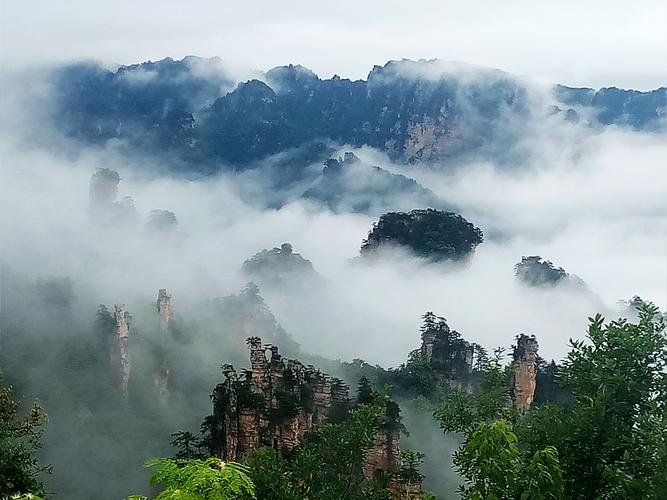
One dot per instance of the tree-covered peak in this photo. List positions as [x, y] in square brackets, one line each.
[428, 233]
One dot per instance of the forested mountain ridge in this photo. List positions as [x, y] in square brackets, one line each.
[415, 111]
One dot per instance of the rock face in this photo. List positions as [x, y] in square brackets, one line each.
[120, 354]
[385, 454]
[452, 358]
[273, 404]
[525, 370]
[414, 111]
[165, 313]
[430, 234]
[276, 402]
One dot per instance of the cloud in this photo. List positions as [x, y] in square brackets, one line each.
[591, 201]
[596, 218]
[593, 44]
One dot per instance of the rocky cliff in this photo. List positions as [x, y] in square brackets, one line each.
[524, 380]
[276, 402]
[165, 314]
[451, 357]
[414, 111]
[120, 351]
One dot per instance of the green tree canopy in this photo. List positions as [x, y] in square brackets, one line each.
[20, 440]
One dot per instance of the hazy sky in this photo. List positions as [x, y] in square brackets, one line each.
[595, 43]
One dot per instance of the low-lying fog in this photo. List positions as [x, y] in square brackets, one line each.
[592, 202]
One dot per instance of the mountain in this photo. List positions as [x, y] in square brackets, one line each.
[614, 106]
[349, 185]
[535, 272]
[430, 234]
[201, 114]
[279, 267]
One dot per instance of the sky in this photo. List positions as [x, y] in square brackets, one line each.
[593, 43]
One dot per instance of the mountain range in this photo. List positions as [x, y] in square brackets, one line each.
[204, 118]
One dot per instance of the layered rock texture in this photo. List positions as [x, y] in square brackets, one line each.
[274, 404]
[120, 352]
[524, 380]
[165, 314]
[165, 311]
[452, 358]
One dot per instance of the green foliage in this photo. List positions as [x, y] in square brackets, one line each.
[493, 467]
[607, 440]
[462, 412]
[20, 440]
[210, 479]
[429, 233]
[104, 322]
[410, 463]
[615, 441]
[287, 398]
[328, 465]
[188, 445]
[416, 376]
[364, 391]
[535, 272]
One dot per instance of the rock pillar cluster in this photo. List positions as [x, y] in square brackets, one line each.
[274, 404]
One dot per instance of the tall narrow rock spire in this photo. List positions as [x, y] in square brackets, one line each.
[165, 311]
[525, 370]
[120, 354]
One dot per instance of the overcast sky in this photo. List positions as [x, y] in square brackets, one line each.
[592, 42]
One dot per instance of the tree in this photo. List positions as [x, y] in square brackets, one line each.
[431, 234]
[608, 438]
[210, 479]
[416, 376]
[328, 465]
[410, 463]
[616, 439]
[494, 468]
[188, 445]
[462, 412]
[364, 391]
[20, 439]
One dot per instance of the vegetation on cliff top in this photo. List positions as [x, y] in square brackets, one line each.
[429, 233]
